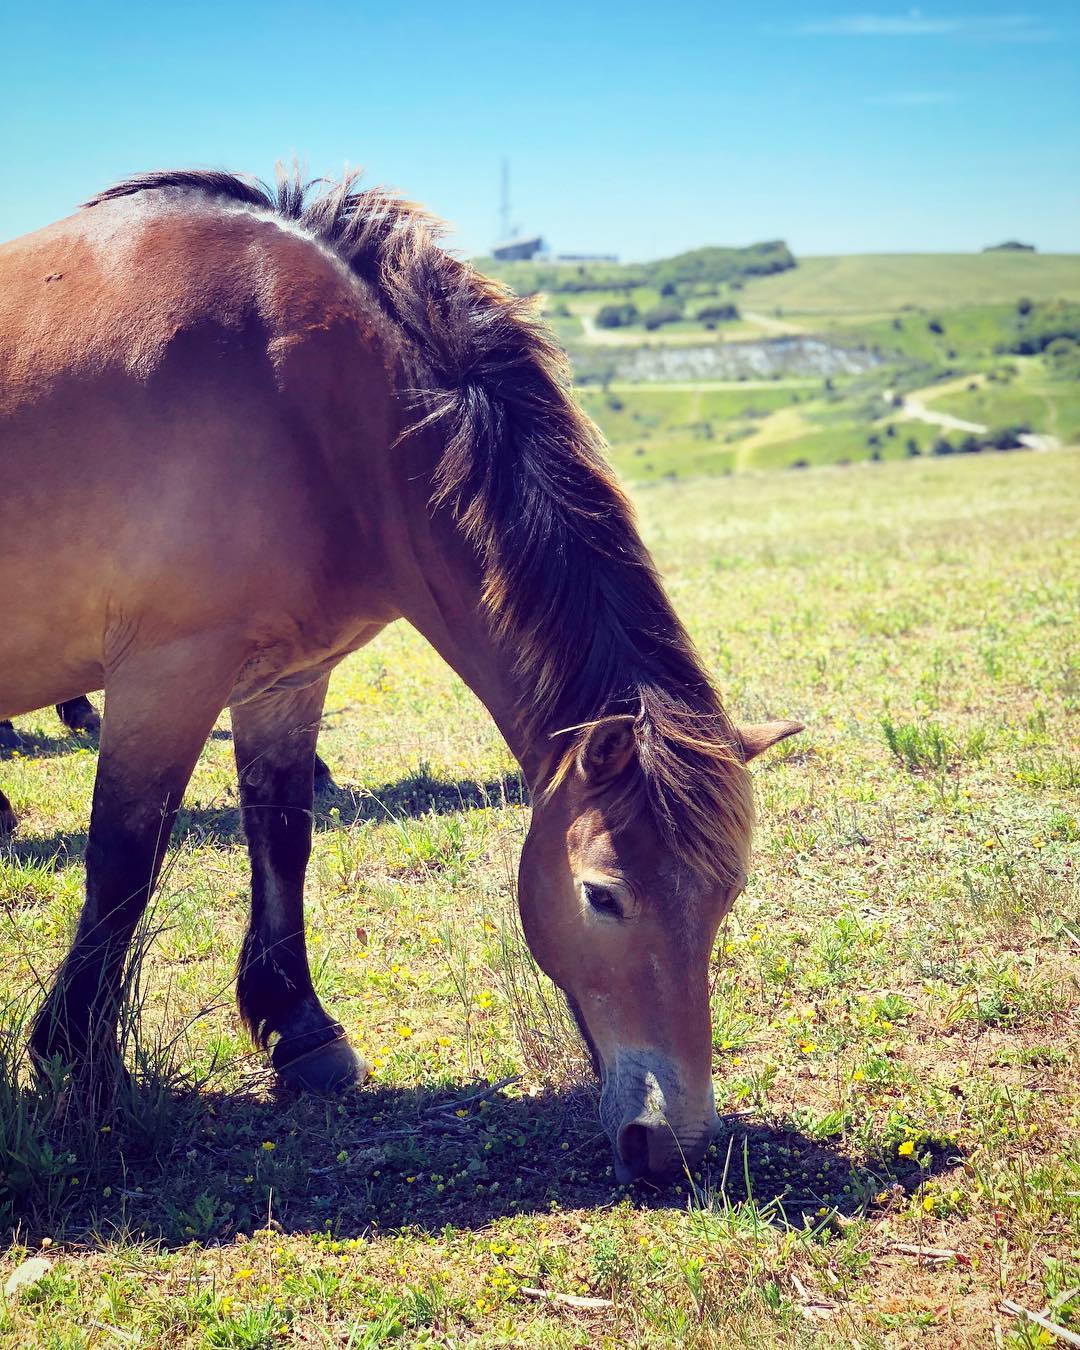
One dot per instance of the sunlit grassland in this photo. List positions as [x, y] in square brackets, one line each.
[860, 283]
[1051, 406]
[896, 1003]
[659, 430]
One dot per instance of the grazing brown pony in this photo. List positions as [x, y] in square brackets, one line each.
[252, 427]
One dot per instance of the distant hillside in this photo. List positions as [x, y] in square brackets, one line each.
[701, 267]
[870, 283]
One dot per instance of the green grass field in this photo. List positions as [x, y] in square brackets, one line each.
[895, 998]
[864, 283]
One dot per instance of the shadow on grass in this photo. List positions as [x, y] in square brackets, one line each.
[205, 1166]
[34, 745]
[412, 797]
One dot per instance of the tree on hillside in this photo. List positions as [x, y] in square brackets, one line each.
[721, 313]
[617, 316]
[661, 314]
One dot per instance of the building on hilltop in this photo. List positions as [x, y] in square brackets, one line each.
[519, 249]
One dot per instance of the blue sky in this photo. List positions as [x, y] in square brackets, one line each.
[637, 128]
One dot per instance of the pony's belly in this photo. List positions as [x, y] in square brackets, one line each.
[266, 672]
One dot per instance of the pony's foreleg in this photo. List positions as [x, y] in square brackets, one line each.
[161, 708]
[79, 714]
[274, 742]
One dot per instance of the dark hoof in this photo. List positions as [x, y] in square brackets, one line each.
[8, 818]
[11, 740]
[326, 1069]
[324, 779]
[79, 714]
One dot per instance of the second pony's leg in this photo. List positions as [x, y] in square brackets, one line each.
[324, 779]
[79, 714]
[9, 740]
[274, 742]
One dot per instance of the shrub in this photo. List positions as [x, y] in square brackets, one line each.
[659, 315]
[617, 316]
[1006, 437]
[1024, 305]
[942, 446]
[911, 445]
[917, 747]
[717, 313]
[935, 326]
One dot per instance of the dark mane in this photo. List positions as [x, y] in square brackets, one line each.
[573, 596]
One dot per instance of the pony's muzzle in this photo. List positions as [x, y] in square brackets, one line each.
[649, 1145]
[643, 1149]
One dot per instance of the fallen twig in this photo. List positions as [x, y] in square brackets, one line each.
[1018, 1310]
[571, 1300]
[462, 1102]
[929, 1253]
[812, 1306]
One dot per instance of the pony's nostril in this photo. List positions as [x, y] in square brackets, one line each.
[631, 1152]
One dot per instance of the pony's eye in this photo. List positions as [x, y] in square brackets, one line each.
[601, 900]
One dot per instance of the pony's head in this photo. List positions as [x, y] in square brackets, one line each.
[621, 904]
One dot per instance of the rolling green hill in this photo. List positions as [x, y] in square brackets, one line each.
[862, 283]
[987, 340]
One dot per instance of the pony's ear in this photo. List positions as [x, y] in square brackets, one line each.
[755, 737]
[607, 749]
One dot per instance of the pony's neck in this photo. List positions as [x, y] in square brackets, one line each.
[443, 600]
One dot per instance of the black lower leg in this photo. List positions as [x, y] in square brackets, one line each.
[161, 706]
[8, 818]
[78, 1018]
[274, 742]
[79, 714]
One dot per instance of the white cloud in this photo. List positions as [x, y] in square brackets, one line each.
[914, 23]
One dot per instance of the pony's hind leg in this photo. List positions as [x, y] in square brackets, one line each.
[274, 742]
[79, 714]
[161, 708]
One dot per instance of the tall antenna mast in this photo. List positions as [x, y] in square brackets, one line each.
[504, 204]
